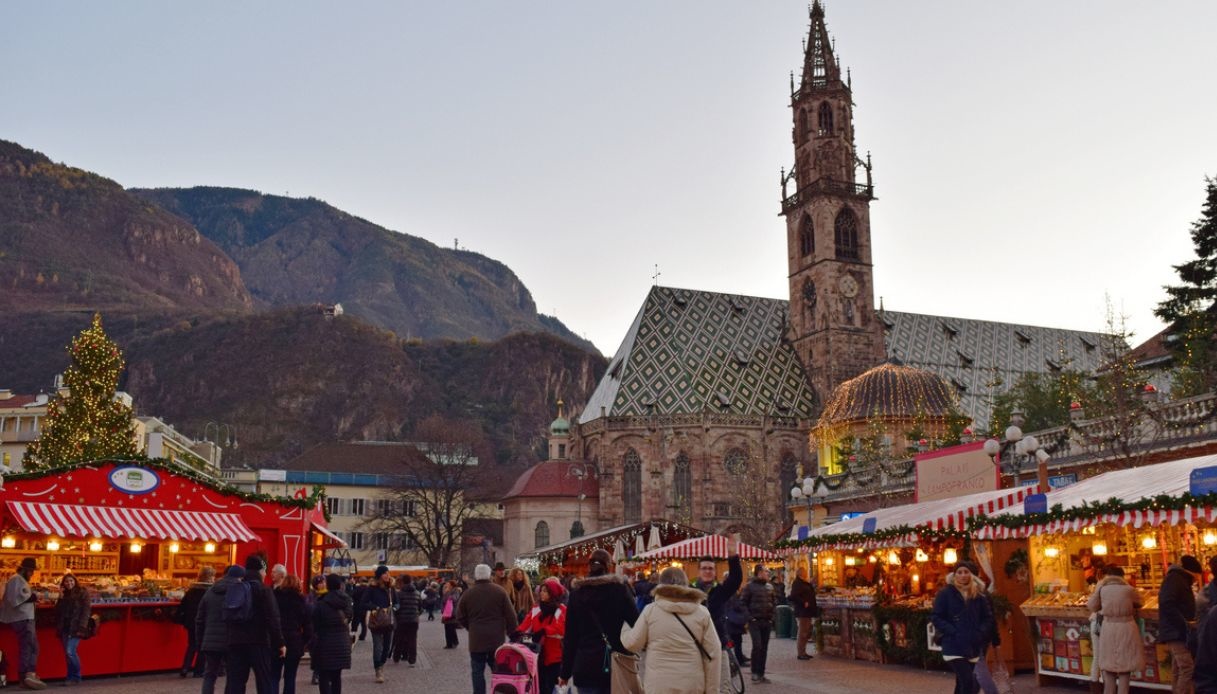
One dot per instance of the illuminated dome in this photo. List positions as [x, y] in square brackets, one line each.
[889, 391]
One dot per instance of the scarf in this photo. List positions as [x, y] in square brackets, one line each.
[548, 608]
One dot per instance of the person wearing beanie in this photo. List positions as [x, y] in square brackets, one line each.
[597, 608]
[961, 614]
[546, 624]
[1177, 607]
[211, 631]
[330, 651]
[254, 642]
[379, 604]
[486, 612]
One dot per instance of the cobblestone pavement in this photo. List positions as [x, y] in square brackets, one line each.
[441, 671]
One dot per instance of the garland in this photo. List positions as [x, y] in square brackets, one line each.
[165, 465]
[917, 652]
[1094, 509]
[923, 532]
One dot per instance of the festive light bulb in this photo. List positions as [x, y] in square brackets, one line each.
[1052, 552]
[136, 547]
[1210, 537]
[922, 556]
[950, 556]
[850, 561]
[52, 545]
[8, 542]
[95, 546]
[174, 548]
[873, 559]
[893, 558]
[827, 561]
[209, 548]
[1099, 549]
[1149, 542]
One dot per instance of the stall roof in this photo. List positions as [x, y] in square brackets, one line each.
[605, 538]
[71, 520]
[1129, 486]
[708, 546]
[939, 514]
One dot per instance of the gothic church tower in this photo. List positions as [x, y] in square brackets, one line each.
[832, 308]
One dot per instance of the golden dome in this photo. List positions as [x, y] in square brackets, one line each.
[889, 391]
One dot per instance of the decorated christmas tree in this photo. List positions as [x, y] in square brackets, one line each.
[86, 422]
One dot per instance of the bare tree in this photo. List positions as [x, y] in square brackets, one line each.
[759, 512]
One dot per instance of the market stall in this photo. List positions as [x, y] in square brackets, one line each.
[877, 575]
[623, 542]
[1141, 519]
[136, 534]
[687, 554]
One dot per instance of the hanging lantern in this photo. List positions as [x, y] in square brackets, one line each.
[1099, 549]
[950, 556]
[8, 542]
[1052, 552]
[1210, 537]
[851, 561]
[174, 548]
[52, 545]
[1149, 542]
[95, 546]
[893, 558]
[136, 547]
[827, 561]
[921, 556]
[209, 548]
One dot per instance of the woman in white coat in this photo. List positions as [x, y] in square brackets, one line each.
[1121, 651]
[683, 651]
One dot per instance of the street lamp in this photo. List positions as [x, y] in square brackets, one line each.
[1022, 448]
[582, 471]
[807, 493]
[225, 434]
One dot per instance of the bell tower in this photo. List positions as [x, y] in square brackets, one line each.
[832, 308]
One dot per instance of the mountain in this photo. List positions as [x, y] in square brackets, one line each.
[295, 251]
[71, 239]
[287, 379]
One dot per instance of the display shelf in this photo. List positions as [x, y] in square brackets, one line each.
[1064, 649]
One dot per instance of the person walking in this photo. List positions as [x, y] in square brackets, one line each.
[961, 616]
[211, 629]
[405, 637]
[760, 600]
[597, 608]
[674, 621]
[803, 600]
[451, 598]
[1177, 607]
[1121, 650]
[72, 614]
[379, 601]
[358, 591]
[186, 614]
[255, 635]
[520, 593]
[499, 578]
[17, 611]
[330, 651]
[486, 612]
[431, 600]
[295, 619]
[546, 623]
[1206, 639]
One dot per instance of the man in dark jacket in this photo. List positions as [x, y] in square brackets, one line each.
[254, 641]
[1177, 607]
[187, 613]
[760, 601]
[211, 631]
[1206, 649]
[486, 612]
[598, 606]
[358, 592]
[803, 599]
[405, 637]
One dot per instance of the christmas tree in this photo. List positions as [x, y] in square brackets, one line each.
[86, 423]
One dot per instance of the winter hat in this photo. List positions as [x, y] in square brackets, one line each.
[32, 563]
[333, 582]
[554, 586]
[498, 566]
[234, 572]
[969, 566]
[1188, 562]
[381, 570]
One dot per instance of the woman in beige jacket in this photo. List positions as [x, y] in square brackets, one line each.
[679, 660]
[1121, 651]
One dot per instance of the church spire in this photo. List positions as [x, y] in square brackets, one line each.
[820, 66]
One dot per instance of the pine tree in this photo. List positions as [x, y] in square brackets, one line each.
[1190, 306]
[86, 423]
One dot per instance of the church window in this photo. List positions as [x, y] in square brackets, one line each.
[788, 474]
[631, 486]
[561, 451]
[807, 239]
[846, 234]
[736, 461]
[682, 481]
[722, 509]
[825, 118]
[541, 535]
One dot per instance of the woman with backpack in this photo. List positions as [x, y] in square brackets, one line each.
[962, 617]
[679, 637]
[331, 647]
[72, 614]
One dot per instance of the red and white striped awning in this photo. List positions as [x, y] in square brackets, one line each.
[708, 546]
[71, 520]
[329, 538]
[1132, 519]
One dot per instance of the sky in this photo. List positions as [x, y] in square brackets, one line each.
[1034, 162]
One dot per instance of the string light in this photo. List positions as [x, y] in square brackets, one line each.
[8, 542]
[1099, 549]
[52, 545]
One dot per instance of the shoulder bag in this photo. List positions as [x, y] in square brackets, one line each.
[701, 649]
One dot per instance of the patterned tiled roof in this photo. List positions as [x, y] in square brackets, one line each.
[983, 359]
[692, 351]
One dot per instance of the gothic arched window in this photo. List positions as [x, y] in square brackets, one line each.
[736, 461]
[845, 234]
[541, 535]
[631, 486]
[825, 118]
[807, 238]
[682, 481]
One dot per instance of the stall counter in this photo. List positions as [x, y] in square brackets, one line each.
[134, 636]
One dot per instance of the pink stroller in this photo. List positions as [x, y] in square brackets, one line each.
[514, 670]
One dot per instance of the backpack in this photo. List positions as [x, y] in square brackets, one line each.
[239, 603]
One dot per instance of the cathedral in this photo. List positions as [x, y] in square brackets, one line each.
[704, 413]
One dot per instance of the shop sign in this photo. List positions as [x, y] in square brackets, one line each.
[134, 480]
[804, 532]
[1203, 480]
[1035, 503]
[956, 471]
[272, 475]
[1054, 482]
[852, 514]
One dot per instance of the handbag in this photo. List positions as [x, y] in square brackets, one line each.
[446, 615]
[381, 620]
[625, 678]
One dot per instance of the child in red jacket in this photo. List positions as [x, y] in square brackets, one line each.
[547, 624]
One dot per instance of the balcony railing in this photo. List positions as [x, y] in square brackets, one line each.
[827, 186]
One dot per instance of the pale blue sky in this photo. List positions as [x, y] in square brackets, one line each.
[1029, 157]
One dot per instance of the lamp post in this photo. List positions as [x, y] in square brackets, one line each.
[1017, 447]
[581, 471]
[224, 434]
[807, 493]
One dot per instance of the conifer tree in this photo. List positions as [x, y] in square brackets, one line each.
[1191, 305]
[86, 422]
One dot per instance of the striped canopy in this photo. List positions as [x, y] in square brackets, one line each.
[71, 520]
[708, 546]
